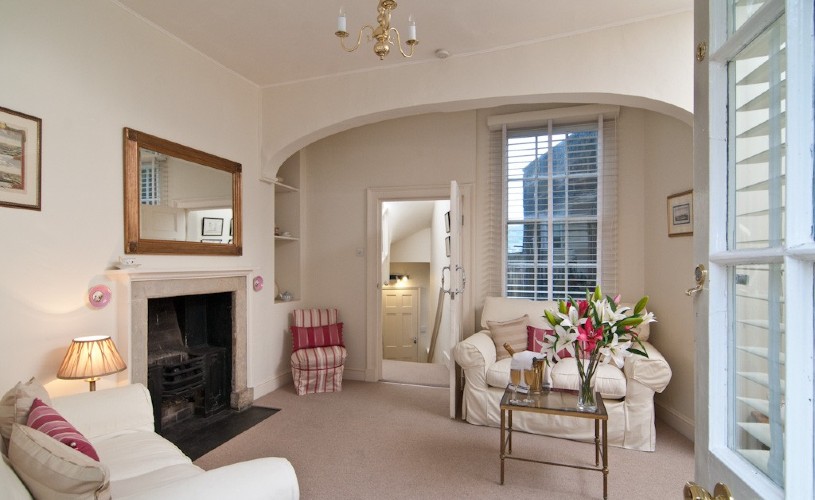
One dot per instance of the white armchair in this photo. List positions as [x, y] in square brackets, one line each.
[628, 394]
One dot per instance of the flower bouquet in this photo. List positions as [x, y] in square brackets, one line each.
[595, 330]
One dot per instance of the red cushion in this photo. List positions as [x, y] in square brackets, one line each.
[46, 419]
[316, 336]
[533, 334]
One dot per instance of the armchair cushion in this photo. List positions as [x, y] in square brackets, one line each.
[512, 332]
[316, 336]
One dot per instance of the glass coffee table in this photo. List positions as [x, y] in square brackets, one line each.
[556, 402]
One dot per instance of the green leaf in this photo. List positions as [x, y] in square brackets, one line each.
[640, 305]
[638, 352]
[551, 318]
[632, 321]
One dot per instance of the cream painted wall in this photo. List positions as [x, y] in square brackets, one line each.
[88, 68]
[412, 248]
[669, 264]
[654, 156]
[430, 149]
[648, 64]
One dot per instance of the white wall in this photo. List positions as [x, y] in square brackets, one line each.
[412, 248]
[88, 68]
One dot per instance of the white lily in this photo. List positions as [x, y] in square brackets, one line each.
[615, 351]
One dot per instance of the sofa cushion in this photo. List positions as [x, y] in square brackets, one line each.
[316, 336]
[46, 419]
[10, 484]
[15, 405]
[52, 470]
[135, 453]
[608, 379]
[535, 335]
[512, 332]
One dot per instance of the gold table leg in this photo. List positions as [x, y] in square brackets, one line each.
[605, 459]
[503, 416]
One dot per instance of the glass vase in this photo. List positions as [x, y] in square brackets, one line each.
[586, 397]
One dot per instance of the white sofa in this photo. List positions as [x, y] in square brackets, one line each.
[628, 394]
[140, 464]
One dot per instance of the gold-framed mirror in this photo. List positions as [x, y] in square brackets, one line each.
[179, 200]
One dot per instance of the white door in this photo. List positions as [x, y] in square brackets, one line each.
[753, 195]
[457, 282]
[400, 324]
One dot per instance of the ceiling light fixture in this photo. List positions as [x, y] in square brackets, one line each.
[383, 33]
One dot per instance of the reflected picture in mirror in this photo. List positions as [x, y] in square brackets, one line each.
[178, 198]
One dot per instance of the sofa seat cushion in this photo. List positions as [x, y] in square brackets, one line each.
[498, 373]
[154, 479]
[136, 453]
[608, 379]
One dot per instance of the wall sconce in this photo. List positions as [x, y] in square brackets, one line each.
[90, 358]
[99, 296]
[399, 277]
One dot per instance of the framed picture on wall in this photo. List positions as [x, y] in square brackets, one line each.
[447, 246]
[212, 226]
[680, 214]
[20, 160]
[447, 222]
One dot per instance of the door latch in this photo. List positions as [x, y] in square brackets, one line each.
[700, 274]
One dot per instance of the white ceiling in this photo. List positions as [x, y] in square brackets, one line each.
[271, 42]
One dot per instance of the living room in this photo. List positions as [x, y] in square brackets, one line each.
[89, 69]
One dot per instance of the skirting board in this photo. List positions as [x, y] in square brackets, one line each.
[677, 421]
[272, 384]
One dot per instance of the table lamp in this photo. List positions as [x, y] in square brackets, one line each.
[90, 358]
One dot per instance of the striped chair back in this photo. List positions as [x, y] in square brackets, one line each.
[315, 317]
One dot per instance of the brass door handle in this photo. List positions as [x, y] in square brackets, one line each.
[700, 275]
[695, 492]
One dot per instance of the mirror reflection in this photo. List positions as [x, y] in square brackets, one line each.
[179, 200]
[183, 201]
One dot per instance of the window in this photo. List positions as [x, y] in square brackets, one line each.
[550, 223]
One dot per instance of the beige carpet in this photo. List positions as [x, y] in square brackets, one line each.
[381, 440]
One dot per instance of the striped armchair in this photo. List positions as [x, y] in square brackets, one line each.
[318, 352]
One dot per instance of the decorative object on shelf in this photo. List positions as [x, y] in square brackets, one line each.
[286, 234]
[212, 226]
[126, 262]
[99, 296]
[90, 358]
[383, 33]
[286, 296]
[595, 330]
[257, 283]
[680, 214]
[277, 230]
[21, 136]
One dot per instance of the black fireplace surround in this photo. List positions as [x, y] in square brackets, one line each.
[189, 352]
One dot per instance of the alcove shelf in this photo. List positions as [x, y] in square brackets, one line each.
[288, 207]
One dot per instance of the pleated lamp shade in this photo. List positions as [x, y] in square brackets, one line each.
[90, 358]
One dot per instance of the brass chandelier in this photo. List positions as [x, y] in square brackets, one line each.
[383, 33]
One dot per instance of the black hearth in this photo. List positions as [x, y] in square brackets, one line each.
[189, 353]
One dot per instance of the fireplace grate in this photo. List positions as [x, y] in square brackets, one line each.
[183, 379]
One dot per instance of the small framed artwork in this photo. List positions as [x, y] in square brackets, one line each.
[212, 226]
[447, 246]
[680, 214]
[20, 160]
[447, 222]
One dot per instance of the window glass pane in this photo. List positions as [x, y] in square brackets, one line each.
[758, 144]
[757, 358]
[739, 11]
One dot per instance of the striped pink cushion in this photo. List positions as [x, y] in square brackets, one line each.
[47, 420]
[315, 317]
[315, 336]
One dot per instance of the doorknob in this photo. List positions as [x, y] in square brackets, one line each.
[695, 492]
[415, 340]
[700, 274]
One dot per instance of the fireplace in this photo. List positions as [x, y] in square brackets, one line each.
[225, 355]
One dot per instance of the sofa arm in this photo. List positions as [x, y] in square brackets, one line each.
[108, 411]
[262, 478]
[652, 372]
[475, 354]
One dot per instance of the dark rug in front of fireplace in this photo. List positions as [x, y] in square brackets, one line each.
[199, 436]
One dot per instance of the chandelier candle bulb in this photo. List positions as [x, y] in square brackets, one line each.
[341, 21]
[411, 28]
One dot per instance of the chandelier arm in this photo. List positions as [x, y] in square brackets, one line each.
[359, 38]
[410, 43]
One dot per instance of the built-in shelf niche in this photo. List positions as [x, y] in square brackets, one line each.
[288, 208]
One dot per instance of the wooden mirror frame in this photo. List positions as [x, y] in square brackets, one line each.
[134, 243]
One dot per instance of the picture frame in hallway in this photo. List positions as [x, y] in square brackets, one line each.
[680, 214]
[20, 160]
[447, 222]
[447, 246]
[212, 226]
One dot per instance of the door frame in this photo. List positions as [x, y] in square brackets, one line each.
[373, 290]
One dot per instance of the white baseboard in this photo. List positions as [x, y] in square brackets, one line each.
[270, 385]
[676, 420]
[353, 374]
